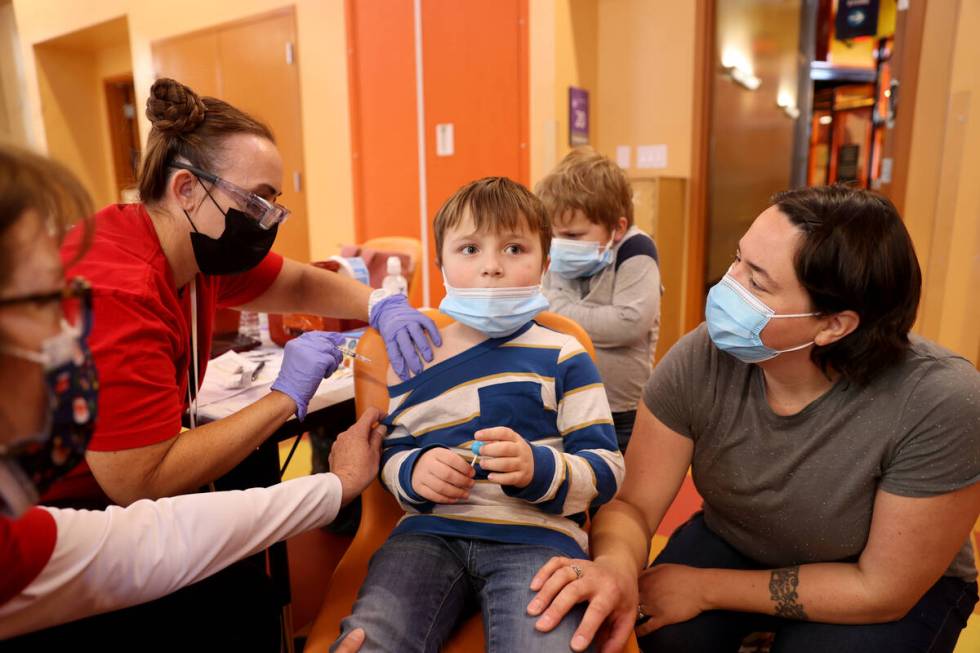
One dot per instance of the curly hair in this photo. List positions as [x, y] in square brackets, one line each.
[189, 127]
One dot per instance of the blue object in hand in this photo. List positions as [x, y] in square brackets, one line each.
[476, 446]
[306, 361]
[404, 329]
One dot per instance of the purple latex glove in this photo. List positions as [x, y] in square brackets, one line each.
[306, 361]
[403, 329]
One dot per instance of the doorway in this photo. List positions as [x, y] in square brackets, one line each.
[124, 138]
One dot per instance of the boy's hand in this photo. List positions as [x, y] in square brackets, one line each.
[508, 456]
[442, 476]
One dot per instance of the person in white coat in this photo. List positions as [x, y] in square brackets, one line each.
[60, 565]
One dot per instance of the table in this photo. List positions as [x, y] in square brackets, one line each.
[331, 409]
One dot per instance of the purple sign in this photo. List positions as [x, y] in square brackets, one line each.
[578, 116]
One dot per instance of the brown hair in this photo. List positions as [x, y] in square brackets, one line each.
[856, 255]
[188, 127]
[31, 182]
[496, 204]
[587, 181]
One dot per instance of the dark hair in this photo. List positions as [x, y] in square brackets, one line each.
[856, 255]
[31, 182]
[496, 204]
[587, 181]
[189, 127]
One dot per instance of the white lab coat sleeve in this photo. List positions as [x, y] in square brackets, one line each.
[109, 559]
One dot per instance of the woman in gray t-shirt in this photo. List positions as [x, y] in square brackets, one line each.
[838, 457]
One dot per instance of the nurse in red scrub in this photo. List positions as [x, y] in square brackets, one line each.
[57, 565]
[200, 240]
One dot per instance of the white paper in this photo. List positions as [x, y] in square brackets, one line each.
[214, 401]
[624, 155]
[232, 371]
[651, 156]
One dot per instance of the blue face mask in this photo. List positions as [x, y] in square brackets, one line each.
[575, 259]
[497, 312]
[736, 319]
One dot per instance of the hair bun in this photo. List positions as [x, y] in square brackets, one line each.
[174, 108]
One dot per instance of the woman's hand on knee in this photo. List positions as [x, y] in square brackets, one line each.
[610, 591]
[670, 594]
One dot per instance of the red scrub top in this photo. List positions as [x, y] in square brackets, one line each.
[25, 548]
[141, 334]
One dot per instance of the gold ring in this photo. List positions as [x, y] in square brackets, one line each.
[641, 614]
[577, 570]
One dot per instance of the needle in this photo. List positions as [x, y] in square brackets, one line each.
[347, 351]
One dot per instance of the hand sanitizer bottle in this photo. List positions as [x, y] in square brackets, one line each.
[394, 282]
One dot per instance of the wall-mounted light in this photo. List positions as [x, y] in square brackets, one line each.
[825, 120]
[738, 67]
[786, 102]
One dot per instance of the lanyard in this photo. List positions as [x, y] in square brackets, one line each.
[192, 372]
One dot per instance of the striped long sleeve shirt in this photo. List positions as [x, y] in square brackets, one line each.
[543, 385]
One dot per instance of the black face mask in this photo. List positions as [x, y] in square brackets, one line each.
[242, 245]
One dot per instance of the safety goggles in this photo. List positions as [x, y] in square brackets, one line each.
[267, 214]
[76, 307]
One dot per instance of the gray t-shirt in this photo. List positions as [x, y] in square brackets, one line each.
[787, 490]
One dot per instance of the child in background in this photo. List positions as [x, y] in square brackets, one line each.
[604, 274]
[531, 401]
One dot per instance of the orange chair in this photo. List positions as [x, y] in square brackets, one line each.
[380, 512]
[405, 245]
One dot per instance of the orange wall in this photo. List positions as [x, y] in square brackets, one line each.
[475, 71]
[474, 76]
[384, 138]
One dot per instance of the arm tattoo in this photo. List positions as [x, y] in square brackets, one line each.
[782, 590]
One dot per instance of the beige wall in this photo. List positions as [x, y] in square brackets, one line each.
[635, 57]
[646, 79]
[564, 52]
[322, 57]
[74, 122]
[942, 204]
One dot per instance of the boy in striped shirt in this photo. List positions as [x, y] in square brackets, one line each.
[476, 529]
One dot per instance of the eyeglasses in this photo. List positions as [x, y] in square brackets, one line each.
[267, 214]
[75, 298]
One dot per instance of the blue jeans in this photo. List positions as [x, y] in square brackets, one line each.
[932, 626]
[623, 423]
[419, 586]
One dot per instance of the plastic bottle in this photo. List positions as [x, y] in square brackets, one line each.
[249, 326]
[394, 282]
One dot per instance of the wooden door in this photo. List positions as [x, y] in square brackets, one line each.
[191, 59]
[251, 64]
[898, 113]
[123, 134]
